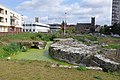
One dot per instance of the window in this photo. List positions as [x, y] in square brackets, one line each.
[34, 24]
[6, 12]
[4, 28]
[23, 24]
[6, 19]
[30, 30]
[11, 29]
[28, 25]
[33, 30]
[26, 30]
[23, 30]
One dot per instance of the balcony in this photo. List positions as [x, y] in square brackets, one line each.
[13, 24]
[1, 19]
[13, 17]
[1, 11]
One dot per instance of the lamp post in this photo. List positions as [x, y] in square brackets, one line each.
[64, 27]
[110, 31]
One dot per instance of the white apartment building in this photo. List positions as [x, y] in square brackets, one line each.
[115, 11]
[10, 21]
[36, 27]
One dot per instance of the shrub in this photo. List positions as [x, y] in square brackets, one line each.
[24, 49]
[39, 35]
[11, 49]
[33, 37]
[82, 68]
[92, 38]
[45, 37]
[80, 38]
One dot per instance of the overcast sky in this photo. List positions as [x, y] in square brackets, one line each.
[53, 11]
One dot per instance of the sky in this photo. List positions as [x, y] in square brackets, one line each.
[53, 11]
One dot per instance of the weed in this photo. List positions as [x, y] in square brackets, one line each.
[82, 68]
[97, 77]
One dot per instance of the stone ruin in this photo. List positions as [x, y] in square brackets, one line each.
[32, 44]
[77, 53]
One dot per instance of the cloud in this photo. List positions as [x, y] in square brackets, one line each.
[96, 3]
[78, 11]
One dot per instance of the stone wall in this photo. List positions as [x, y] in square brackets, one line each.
[33, 44]
[72, 52]
[77, 53]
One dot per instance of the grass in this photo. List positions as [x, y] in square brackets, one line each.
[113, 43]
[37, 70]
[112, 46]
[109, 40]
[34, 64]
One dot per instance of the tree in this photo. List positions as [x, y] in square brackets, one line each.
[71, 30]
[115, 29]
[105, 30]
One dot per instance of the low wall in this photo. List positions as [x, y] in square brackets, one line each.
[8, 33]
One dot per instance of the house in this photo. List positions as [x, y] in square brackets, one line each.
[10, 21]
[86, 27]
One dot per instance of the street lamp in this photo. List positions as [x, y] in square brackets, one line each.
[110, 31]
[64, 27]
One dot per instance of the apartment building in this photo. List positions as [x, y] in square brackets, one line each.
[36, 27]
[10, 21]
[115, 11]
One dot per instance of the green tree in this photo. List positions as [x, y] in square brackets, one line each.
[115, 29]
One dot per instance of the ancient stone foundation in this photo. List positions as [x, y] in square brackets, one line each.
[33, 44]
[77, 53]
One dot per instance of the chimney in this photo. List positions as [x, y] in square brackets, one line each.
[93, 21]
[36, 19]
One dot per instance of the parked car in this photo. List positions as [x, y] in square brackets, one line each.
[116, 35]
[103, 35]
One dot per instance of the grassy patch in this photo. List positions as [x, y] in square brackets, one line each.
[112, 46]
[37, 70]
[97, 77]
[82, 68]
[37, 54]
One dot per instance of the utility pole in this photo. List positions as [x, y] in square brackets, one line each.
[64, 25]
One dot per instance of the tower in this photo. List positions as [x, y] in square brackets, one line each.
[93, 21]
[36, 19]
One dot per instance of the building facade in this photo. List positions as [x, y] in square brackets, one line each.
[86, 27]
[115, 11]
[36, 27]
[10, 21]
[55, 27]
